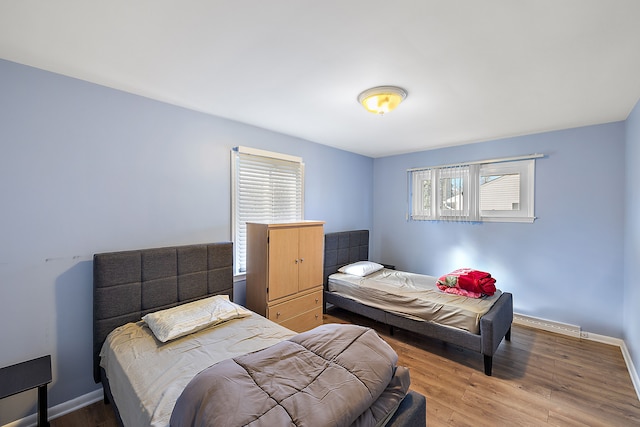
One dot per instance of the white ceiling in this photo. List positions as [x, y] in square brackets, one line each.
[474, 70]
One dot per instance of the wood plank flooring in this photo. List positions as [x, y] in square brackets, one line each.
[539, 379]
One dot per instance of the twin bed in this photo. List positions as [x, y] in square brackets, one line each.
[270, 375]
[474, 324]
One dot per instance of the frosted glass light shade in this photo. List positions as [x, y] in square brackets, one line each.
[382, 99]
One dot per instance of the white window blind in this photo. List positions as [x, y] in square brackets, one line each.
[453, 191]
[267, 187]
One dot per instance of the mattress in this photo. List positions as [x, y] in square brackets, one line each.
[147, 376]
[413, 295]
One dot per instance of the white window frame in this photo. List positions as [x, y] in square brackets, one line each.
[266, 186]
[470, 174]
[525, 212]
[420, 181]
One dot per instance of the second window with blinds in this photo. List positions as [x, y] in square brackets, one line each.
[496, 191]
[266, 186]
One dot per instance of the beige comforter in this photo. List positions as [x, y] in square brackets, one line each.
[147, 376]
[415, 296]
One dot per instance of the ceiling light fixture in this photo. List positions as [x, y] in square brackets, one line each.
[382, 99]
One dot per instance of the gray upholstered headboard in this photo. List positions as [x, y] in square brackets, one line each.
[127, 285]
[342, 248]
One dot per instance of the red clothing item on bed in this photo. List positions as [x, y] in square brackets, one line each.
[459, 291]
[475, 282]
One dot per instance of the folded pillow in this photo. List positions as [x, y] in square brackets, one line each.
[361, 268]
[187, 318]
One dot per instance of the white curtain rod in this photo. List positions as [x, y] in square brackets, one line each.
[478, 162]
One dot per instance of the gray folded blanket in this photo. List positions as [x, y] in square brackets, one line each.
[329, 376]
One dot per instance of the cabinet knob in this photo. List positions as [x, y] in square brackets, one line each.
[317, 300]
[316, 316]
[301, 259]
[296, 261]
[278, 314]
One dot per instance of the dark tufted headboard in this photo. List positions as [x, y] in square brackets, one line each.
[127, 285]
[342, 248]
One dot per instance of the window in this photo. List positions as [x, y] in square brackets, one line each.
[506, 191]
[422, 207]
[498, 190]
[453, 192]
[266, 187]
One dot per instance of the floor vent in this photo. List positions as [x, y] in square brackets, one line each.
[548, 325]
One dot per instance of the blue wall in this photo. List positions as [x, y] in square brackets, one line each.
[632, 238]
[86, 169]
[567, 266]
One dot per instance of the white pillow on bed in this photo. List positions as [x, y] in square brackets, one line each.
[361, 268]
[184, 319]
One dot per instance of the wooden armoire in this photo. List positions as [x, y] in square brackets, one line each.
[284, 272]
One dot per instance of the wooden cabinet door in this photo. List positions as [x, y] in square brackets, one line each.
[283, 262]
[310, 253]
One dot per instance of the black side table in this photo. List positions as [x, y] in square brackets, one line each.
[25, 376]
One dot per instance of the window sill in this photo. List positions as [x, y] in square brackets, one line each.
[527, 219]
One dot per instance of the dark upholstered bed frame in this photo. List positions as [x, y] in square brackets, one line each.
[345, 247]
[129, 284]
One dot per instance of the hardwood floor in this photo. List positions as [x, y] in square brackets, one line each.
[539, 379]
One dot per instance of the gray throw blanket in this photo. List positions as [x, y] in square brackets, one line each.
[328, 376]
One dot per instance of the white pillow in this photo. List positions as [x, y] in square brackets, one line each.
[184, 319]
[361, 268]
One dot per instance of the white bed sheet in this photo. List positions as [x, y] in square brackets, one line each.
[147, 376]
[413, 295]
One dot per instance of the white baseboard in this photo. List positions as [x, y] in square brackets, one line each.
[632, 370]
[577, 332]
[547, 325]
[60, 410]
